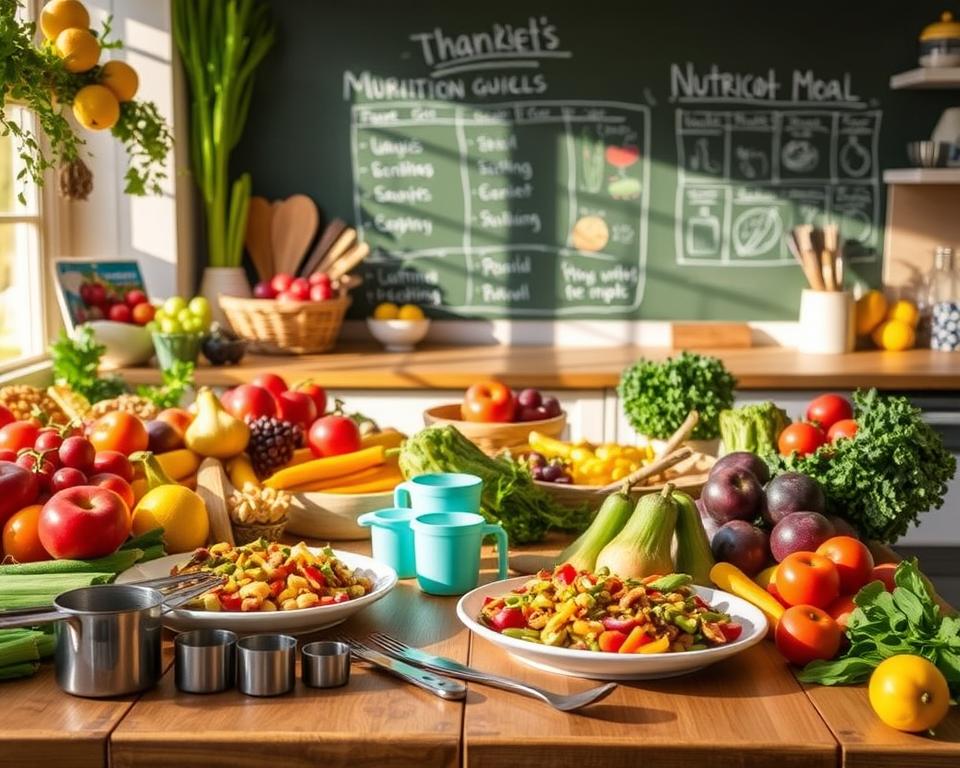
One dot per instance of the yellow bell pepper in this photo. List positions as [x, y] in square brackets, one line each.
[550, 447]
[660, 645]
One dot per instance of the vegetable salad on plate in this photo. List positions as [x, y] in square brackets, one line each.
[264, 576]
[602, 612]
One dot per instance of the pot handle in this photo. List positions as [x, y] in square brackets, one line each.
[29, 619]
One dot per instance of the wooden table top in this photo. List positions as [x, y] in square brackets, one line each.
[574, 368]
[747, 711]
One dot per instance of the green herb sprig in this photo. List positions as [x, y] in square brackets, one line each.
[657, 397]
[177, 380]
[76, 364]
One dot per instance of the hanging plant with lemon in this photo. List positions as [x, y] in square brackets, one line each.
[63, 72]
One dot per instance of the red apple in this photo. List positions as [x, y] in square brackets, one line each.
[264, 291]
[6, 417]
[115, 463]
[287, 296]
[66, 477]
[18, 489]
[274, 384]
[117, 484]
[83, 523]
[317, 393]
[297, 408]
[300, 288]
[319, 278]
[143, 313]
[120, 313]
[321, 292]
[135, 297]
[249, 400]
[281, 282]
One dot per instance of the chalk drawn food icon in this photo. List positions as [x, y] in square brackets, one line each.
[854, 158]
[756, 231]
[855, 225]
[590, 233]
[799, 156]
[591, 161]
[753, 163]
[623, 187]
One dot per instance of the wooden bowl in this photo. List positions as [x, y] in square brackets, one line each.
[688, 476]
[333, 516]
[493, 438]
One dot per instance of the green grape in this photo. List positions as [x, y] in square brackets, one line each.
[174, 305]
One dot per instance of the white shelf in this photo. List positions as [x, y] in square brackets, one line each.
[927, 77]
[922, 176]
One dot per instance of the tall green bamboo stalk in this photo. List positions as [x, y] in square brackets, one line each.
[221, 43]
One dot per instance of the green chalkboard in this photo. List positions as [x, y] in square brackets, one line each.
[615, 160]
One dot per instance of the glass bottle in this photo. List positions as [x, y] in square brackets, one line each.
[943, 298]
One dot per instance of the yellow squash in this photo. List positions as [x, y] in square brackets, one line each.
[323, 469]
[731, 579]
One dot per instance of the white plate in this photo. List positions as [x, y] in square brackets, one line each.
[615, 666]
[303, 620]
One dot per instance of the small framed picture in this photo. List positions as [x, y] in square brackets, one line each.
[87, 289]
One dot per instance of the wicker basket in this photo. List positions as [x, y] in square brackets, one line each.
[494, 438]
[244, 534]
[688, 476]
[277, 327]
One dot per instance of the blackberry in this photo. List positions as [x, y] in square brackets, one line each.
[272, 442]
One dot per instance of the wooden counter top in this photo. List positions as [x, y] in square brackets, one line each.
[576, 368]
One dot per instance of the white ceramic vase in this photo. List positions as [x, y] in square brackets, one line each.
[223, 281]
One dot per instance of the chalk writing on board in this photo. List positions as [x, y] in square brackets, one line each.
[532, 208]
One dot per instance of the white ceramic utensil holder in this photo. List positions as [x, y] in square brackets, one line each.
[827, 323]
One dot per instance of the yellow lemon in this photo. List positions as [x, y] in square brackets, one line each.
[905, 311]
[410, 312]
[78, 48]
[871, 309]
[894, 335]
[58, 15]
[386, 311]
[96, 108]
[120, 78]
[179, 511]
[909, 693]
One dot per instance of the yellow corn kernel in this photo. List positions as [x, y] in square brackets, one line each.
[307, 600]
[297, 582]
[289, 605]
[287, 594]
[258, 589]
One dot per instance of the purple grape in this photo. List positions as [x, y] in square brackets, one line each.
[552, 406]
[535, 459]
[529, 398]
[537, 473]
[551, 472]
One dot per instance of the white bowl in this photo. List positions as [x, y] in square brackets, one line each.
[398, 335]
[126, 344]
[384, 579]
[615, 666]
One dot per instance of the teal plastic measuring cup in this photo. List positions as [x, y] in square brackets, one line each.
[440, 492]
[392, 538]
[447, 547]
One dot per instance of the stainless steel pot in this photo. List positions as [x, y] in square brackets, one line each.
[107, 636]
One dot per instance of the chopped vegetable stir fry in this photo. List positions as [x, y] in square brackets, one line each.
[263, 576]
[601, 612]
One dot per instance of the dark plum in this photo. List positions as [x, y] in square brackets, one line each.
[742, 544]
[732, 494]
[744, 460]
[799, 532]
[792, 492]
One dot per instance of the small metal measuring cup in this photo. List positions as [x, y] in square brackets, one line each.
[325, 664]
[206, 660]
[267, 664]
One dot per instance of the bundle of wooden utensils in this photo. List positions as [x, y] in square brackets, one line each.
[819, 254]
[281, 238]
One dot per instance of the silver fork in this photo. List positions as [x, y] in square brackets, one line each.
[444, 666]
[435, 684]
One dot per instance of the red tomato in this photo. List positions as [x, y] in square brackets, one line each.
[611, 640]
[489, 401]
[135, 297]
[840, 610]
[333, 435]
[806, 633]
[66, 477]
[35, 463]
[48, 440]
[297, 408]
[6, 417]
[843, 428]
[828, 409]
[119, 431]
[114, 483]
[83, 523]
[852, 559]
[806, 578]
[143, 313]
[249, 400]
[317, 393]
[800, 438]
[18, 488]
[18, 435]
[566, 573]
[20, 539]
[7, 455]
[274, 384]
[884, 572]
[508, 618]
[731, 630]
[115, 463]
[120, 313]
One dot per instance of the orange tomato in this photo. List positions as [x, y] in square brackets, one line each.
[840, 610]
[489, 401]
[852, 559]
[20, 539]
[806, 633]
[119, 431]
[884, 572]
[806, 578]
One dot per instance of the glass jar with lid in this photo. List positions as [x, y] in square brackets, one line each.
[940, 43]
[943, 299]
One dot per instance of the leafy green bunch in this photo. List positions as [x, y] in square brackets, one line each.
[885, 624]
[657, 397]
[893, 469]
[38, 79]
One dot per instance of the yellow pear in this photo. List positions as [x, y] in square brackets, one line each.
[58, 15]
[215, 432]
[96, 108]
[120, 78]
[78, 48]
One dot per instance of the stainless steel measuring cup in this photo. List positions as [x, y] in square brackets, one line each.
[267, 664]
[325, 664]
[206, 660]
[108, 636]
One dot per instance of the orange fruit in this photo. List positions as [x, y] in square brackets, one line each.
[871, 309]
[58, 15]
[120, 78]
[905, 311]
[894, 335]
[96, 108]
[78, 48]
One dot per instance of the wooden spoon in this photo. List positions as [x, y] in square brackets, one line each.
[257, 237]
[658, 466]
[213, 487]
[324, 243]
[295, 222]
